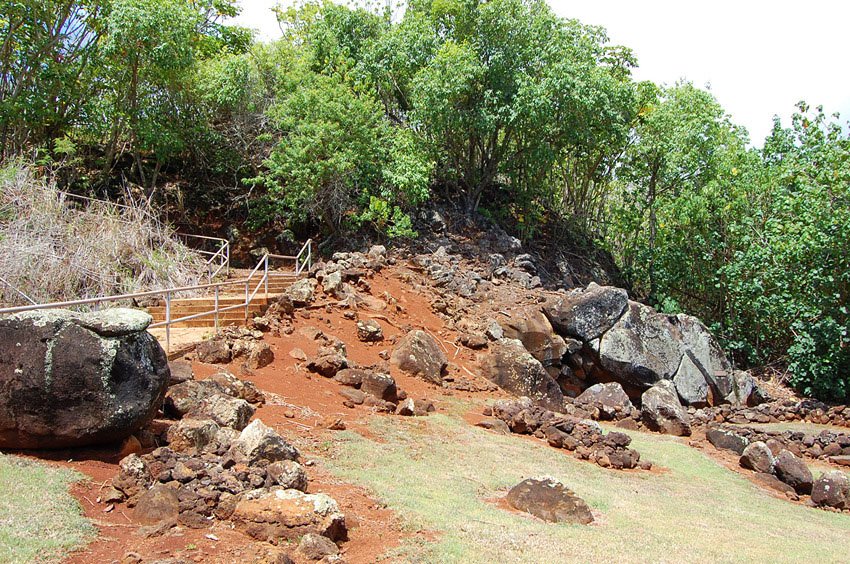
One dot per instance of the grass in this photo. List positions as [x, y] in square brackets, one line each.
[54, 249]
[39, 520]
[438, 473]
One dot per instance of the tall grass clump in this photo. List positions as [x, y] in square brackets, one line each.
[53, 248]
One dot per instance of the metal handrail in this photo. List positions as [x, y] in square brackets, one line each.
[15, 289]
[299, 263]
[222, 254]
[250, 294]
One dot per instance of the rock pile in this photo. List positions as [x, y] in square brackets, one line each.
[584, 438]
[217, 466]
[234, 343]
[371, 386]
[827, 445]
[809, 410]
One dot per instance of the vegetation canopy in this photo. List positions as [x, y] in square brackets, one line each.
[358, 116]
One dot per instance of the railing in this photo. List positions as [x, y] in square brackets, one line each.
[16, 290]
[301, 260]
[218, 260]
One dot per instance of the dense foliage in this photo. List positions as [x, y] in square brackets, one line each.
[357, 117]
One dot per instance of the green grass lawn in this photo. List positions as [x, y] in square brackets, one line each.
[438, 473]
[39, 520]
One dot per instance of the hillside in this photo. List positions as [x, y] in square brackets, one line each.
[431, 488]
[55, 247]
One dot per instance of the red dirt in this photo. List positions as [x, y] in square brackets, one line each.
[298, 405]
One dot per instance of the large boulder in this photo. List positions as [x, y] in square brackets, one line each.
[832, 489]
[757, 457]
[794, 472]
[532, 327]
[587, 313]
[278, 514]
[69, 379]
[419, 354]
[706, 355]
[642, 348]
[662, 412]
[549, 500]
[610, 399]
[691, 383]
[511, 367]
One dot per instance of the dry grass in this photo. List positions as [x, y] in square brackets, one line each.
[53, 251]
[39, 520]
[438, 473]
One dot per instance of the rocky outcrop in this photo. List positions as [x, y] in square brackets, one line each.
[419, 354]
[511, 367]
[70, 379]
[549, 500]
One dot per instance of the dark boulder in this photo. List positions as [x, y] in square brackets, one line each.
[549, 500]
[642, 348]
[587, 313]
[419, 354]
[69, 379]
[757, 457]
[832, 490]
[794, 472]
[511, 367]
[727, 440]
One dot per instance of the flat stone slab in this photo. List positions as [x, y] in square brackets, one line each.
[843, 460]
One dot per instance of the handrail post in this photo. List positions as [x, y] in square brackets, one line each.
[247, 282]
[266, 275]
[227, 257]
[309, 254]
[168, 322]
[216, 310]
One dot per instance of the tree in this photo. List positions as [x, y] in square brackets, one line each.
[683, 143]
[509, 91]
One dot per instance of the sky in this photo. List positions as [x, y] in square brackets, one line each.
[759, 58]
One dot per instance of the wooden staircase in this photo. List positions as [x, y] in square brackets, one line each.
[230, 296]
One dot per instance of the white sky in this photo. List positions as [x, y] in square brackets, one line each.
[760, 57]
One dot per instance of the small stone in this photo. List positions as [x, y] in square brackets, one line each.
[369, 331]
[353, 395]
[298, 354]
[156, 504]
[316, 547]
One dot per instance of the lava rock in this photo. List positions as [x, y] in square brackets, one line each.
[69, 379]
[419, 354]
[549, 500]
